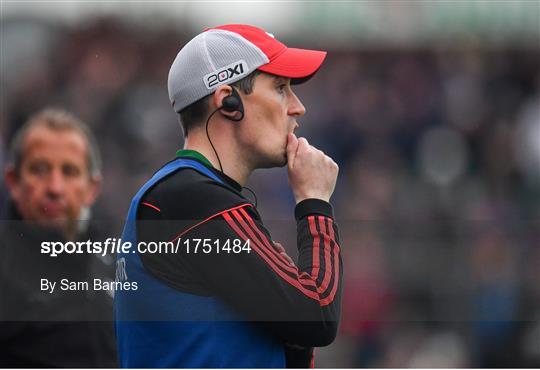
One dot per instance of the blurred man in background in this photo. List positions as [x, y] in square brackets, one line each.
[53, 179]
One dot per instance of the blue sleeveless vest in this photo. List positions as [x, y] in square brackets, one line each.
[158, 326]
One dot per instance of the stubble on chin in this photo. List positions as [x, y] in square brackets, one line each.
[279, 160]
[284, 160]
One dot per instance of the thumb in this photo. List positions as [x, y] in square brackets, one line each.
[292, 147]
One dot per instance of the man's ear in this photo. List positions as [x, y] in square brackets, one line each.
[93, 190]
[12, 181]
[221, 93]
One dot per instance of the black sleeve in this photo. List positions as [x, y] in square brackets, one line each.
[300, 305]
[299, 357]
[303, 301]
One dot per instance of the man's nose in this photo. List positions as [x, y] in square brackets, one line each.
[296, 108]
[56, 183]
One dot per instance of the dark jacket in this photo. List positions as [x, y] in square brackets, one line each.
[40, 329]
[296, 307]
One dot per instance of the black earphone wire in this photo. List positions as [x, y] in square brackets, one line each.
[208, 136]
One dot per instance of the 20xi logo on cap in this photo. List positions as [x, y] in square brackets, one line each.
[226, 54]
[226, 74]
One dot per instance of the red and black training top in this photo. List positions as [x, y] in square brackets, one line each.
[299, 305]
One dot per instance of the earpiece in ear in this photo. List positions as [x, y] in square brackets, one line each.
[230, 104]
[233, 103]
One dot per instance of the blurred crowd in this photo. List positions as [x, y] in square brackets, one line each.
[438, 197]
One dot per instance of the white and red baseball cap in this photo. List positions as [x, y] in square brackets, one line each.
[225, 54]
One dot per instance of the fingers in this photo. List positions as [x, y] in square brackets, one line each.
[289, 259]
[298, 148]
[281, 251]
[303, 145]
[312, 173]
[279, 247]
[292, 147]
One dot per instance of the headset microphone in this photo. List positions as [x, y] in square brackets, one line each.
[233, 103]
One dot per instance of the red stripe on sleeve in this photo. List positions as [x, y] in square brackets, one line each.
[209, 218]
[330, 297]
[272, 253]
[151, 206]
[327, 252]
[303, 278]
[283, 275]
[316, 240]
[265, 241]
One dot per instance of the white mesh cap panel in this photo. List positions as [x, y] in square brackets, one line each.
[190, 61]
[213, 48]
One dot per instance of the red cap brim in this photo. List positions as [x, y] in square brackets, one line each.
[297, 64]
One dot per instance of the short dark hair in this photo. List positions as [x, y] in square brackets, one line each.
[56, 119]
[194, 114]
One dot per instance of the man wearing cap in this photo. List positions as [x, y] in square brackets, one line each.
[229, 296]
